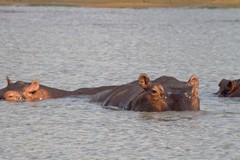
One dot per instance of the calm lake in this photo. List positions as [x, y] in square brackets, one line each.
[70, 48]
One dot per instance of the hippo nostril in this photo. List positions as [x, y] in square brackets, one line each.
[221, 95]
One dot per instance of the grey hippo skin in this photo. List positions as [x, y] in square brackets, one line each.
[163, 94]
[33, 91]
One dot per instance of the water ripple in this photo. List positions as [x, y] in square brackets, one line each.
[70, 48]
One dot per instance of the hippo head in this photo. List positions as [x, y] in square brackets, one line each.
[152, 96]
[158, 97]
[152, 99]
[185, 98]
[228, 88]
[20, 91]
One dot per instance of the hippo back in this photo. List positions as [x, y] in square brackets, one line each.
[120, 96]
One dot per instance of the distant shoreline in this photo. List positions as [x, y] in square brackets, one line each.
[127, 3]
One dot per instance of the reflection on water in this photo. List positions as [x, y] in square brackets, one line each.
[71, 48]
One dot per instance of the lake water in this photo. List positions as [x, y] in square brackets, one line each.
[70, 48]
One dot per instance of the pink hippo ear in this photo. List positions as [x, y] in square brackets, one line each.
[34, 86]
[193, 81]
[144, 81]
[9, 81]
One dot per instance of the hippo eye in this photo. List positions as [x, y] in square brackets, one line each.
[12, 98]
[154, 91]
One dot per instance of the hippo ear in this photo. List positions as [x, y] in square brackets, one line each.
[34, 86]
[193, 81]
[144, 81]
[9, 81]
[231, 86]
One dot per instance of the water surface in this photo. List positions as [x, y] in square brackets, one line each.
[69, 48]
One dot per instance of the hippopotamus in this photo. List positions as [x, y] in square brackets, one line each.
[33, 91]
[163, 94]
[229, 88]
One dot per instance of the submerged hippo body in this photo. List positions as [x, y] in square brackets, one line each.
[24, 91]
[163, 94]
[229, 88]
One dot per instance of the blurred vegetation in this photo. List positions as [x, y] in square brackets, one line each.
[127, 3]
